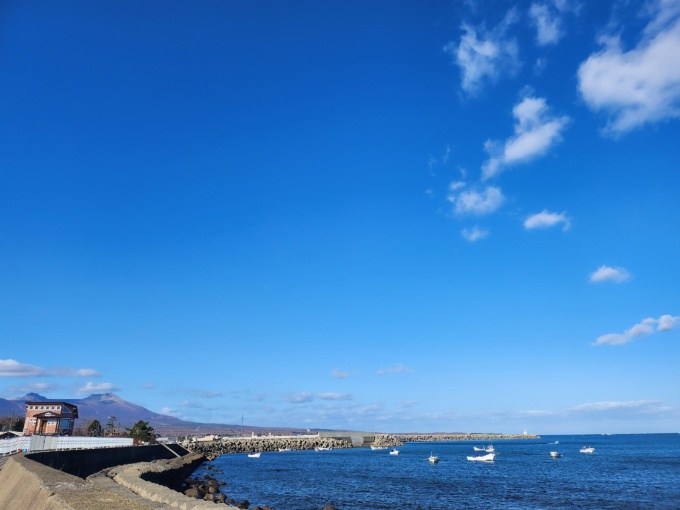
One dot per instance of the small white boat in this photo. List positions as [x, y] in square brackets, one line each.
[322, 448]
[556, 442]
[394, 451]
[433, 459]
[255, 455]
[587, 449]
[284, 449]
[555, 455]
[482, 458]
[378, 447]
[487, 449]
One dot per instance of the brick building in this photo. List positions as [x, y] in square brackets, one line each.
[51, 418]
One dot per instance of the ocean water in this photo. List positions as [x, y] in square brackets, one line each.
[625, 472]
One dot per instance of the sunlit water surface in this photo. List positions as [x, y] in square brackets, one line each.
[625, 472]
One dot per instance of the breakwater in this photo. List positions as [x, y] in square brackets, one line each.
[213, 449]
[419, 438]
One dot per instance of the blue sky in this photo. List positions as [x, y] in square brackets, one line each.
[394, 216]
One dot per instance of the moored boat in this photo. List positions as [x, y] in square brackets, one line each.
[487, 449]
[482, 458]
[373, 447]
[255, 455]
[587, 449]
[394, 451]
[555, 455]
[432, 459]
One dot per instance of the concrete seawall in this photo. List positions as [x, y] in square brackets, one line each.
[29, 484]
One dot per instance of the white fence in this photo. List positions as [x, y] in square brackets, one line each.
[38, 443]
[16, 444]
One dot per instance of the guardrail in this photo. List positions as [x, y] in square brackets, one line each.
[38, 443]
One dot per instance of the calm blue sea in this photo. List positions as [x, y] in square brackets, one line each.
[625, 472]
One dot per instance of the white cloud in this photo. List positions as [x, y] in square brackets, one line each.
[335, 396]
[86, 372]
[38, 387]
[668, 322]
[643, 328]
[399, 368]
[191, 404]
[456, 185]
[639, 86]
[476, 202]
[206, 393]
[547, 22]
[406, 404]
[546, 219]
[536, 131]
[91, 387]
[12, 368]
[474, 234]
[609, 274]
[547, 18]
[168, 411]
[340, 374]
[605, 407]
[299, 398]
[484, 56]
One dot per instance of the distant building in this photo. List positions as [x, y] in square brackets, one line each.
[9, 435]
[50, 418]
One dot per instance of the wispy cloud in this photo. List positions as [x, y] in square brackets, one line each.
[546, 219]
[484, 56]
[206, 393]
[399, 368]
[191, 404]
[609, 274]
[639, 86]
[643, 328]
[548, 19]
[343, 374]
[38, 387]
[536, 131]
[474, 234]
[335, 396]
[169, 411]
[475, 202]
[12, 368]
[547, 22]
[609, 406]
[406, 404]
[91, 387]
[299, 398]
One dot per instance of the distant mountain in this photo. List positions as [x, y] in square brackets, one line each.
[101, 406]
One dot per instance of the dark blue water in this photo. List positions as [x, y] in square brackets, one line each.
[625, 472]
